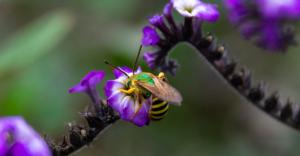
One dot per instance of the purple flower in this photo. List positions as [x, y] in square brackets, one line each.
[271, 35]
[280, 8]
[150, 36]
[150, 59]
[127, 105]
[18, 138]
[168, 9]
[156, 20]
[196, 8]
[195, 13]
[265, 21]
[88, 85]
[237, 10]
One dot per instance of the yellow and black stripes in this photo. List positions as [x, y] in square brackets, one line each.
[158, 110]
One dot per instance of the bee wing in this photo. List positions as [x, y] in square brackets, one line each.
[163, 91]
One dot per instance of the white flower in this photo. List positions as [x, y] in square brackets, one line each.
[196, 8]
[188, 8]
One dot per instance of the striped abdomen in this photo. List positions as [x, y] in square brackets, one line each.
[158, 110]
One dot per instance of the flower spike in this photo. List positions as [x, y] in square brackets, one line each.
[266, 21]
[273, 37]
[195, 12]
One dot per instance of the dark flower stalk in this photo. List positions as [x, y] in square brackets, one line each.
[98, 116]
[81, 135]
[102, 113]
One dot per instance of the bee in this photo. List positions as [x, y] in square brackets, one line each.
[145, 85]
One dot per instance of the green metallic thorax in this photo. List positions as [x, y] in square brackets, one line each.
[142, 77]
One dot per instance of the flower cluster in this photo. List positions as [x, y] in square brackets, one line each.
[18, 138]
[266, 21]
[128, 107]
[195, 12]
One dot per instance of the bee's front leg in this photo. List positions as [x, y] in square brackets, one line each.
[129, 91]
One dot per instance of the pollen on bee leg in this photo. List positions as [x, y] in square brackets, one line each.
[161, 75]
[129, 91]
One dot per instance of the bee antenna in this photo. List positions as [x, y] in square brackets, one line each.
[137, 58]
[115, 67]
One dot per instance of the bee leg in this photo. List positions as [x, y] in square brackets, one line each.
[129, 91]
[162, 76]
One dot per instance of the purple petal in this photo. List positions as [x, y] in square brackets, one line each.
[139, 70]
[168, 9]
[4, 146]
[141, 118]
[88, 82]
[207, 12]
[115, 101]
[265, 21]
[280, 8]
[237, 10]
[156, 20]
[127, 108]
[271, 37]
[150, 58]
[112, 86]
[150, 36]
[20, 149]
[234, 4]
[77, 89]
[118, 73]
[18, 138]
[249, 29]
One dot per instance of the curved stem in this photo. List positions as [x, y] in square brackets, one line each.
[239, 78]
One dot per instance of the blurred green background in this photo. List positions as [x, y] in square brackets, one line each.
[48, 46]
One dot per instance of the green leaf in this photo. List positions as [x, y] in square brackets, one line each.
[34, 41]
